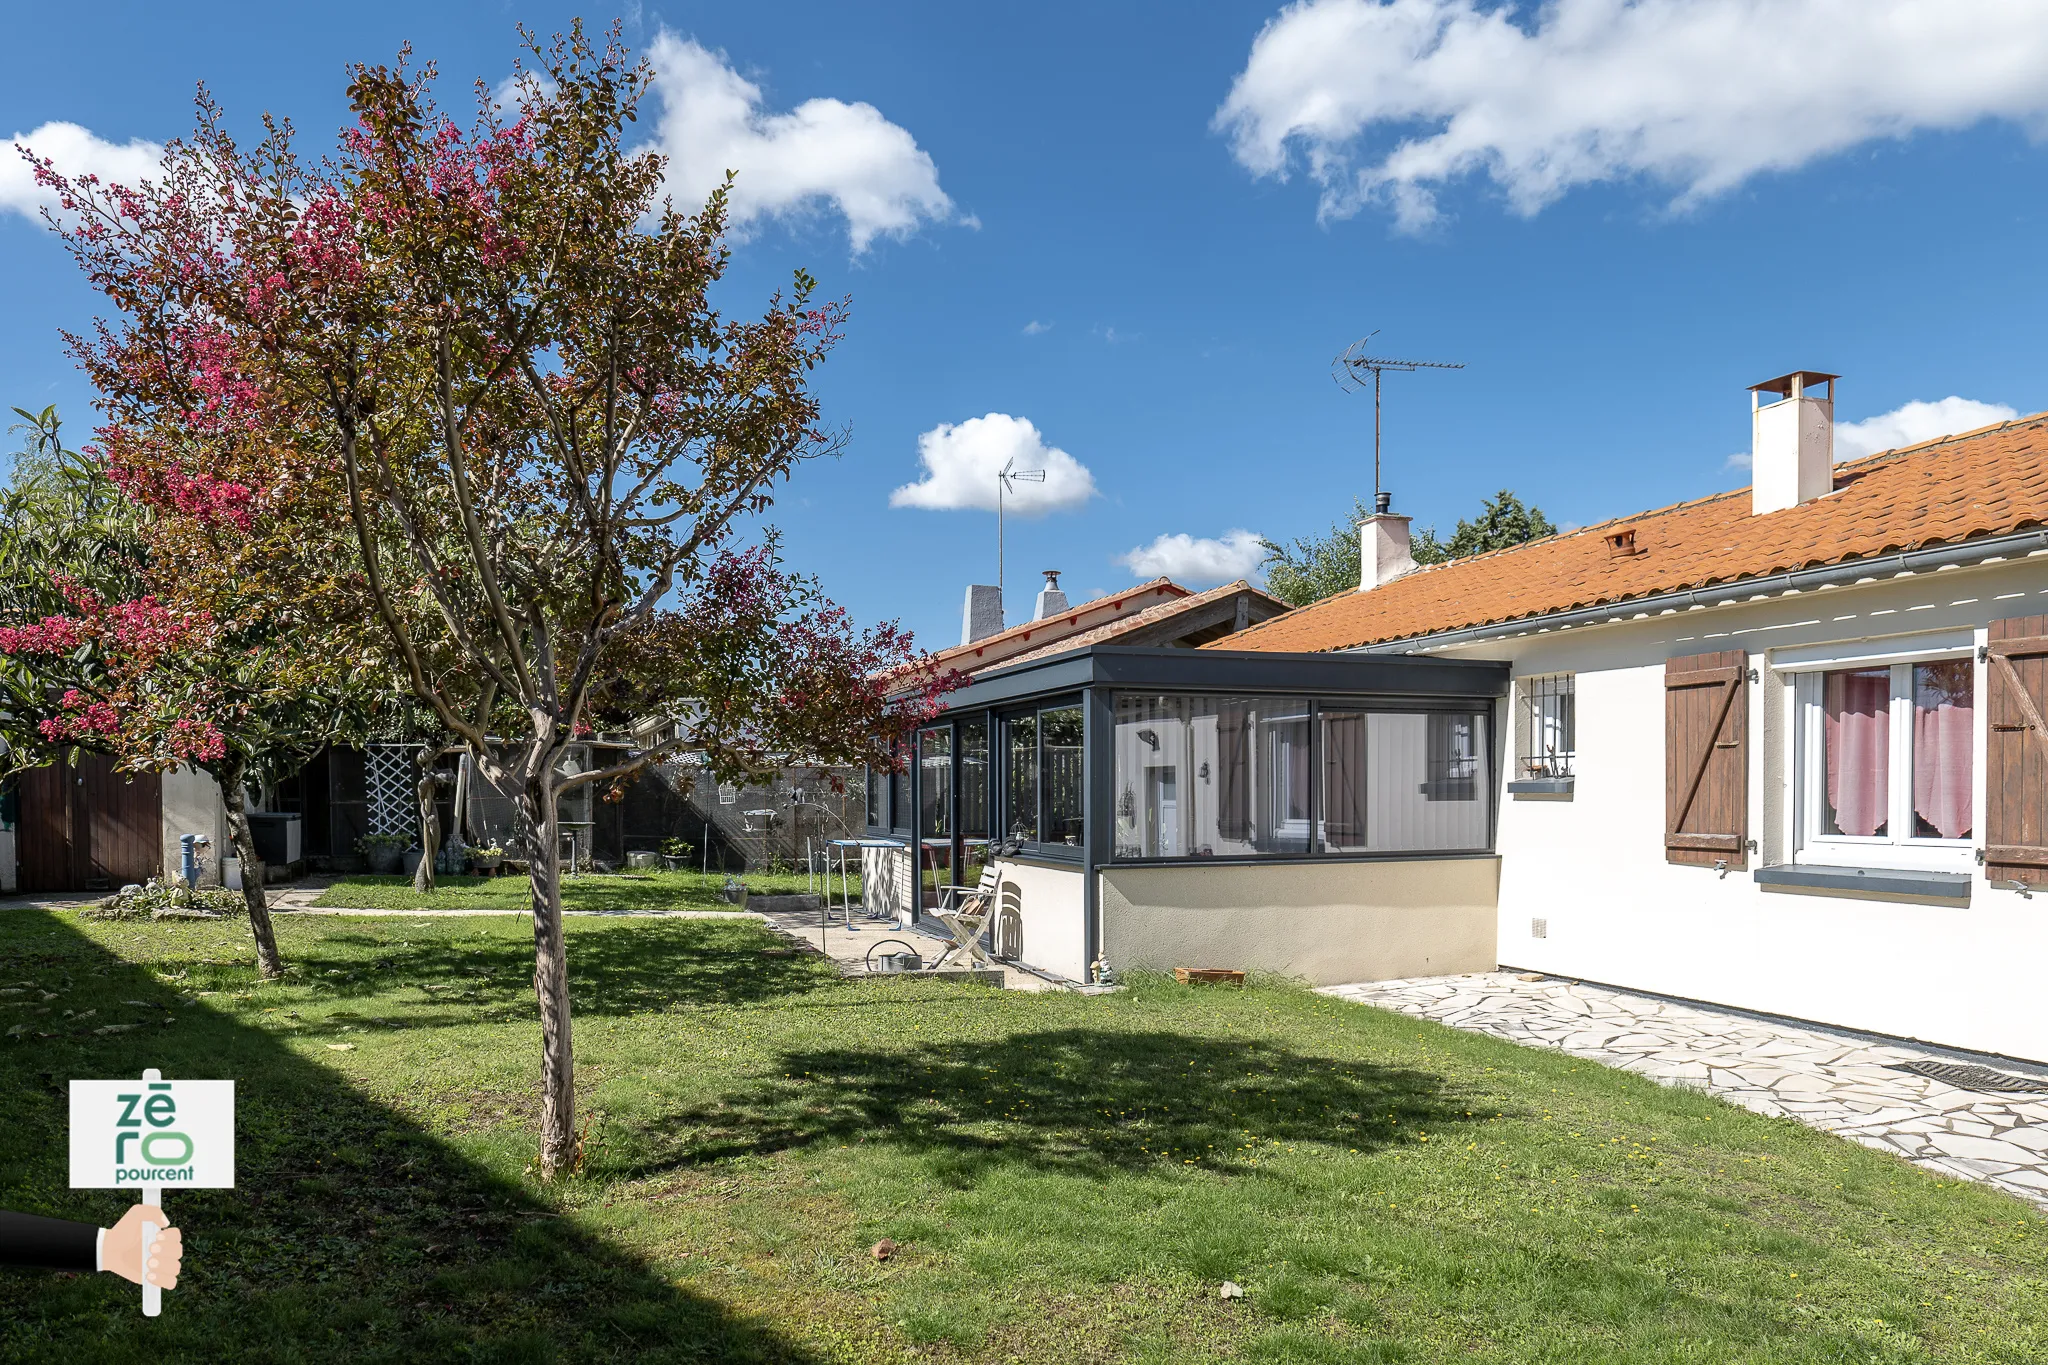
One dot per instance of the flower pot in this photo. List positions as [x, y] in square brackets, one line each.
[486, 865]
[410, 860]
[675, 864]
[385, 859]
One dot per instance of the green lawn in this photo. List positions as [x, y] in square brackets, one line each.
[1069, 1178]
[594, 891]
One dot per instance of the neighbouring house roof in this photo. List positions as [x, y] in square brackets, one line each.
[1029, 636]
[1199, 618]
[1982, 483]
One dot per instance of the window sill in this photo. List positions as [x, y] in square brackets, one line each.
[1541, 786]
[1042, 857]
[1879, 881]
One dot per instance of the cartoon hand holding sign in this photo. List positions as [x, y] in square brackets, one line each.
[151, 1133]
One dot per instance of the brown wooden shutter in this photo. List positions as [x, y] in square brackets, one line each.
[2016, 753]
[1706, 759]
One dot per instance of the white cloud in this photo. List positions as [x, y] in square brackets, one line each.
[961, 461]
[76, 151]
[1906, 425]
[823, 153]
[1197, 559]
[1387, 103]
[1036, 328]
[1916, 422]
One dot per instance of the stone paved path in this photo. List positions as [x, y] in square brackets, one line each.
[1836, 1081]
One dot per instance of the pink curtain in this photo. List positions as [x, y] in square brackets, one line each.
[1858, 744]
[1943, 736]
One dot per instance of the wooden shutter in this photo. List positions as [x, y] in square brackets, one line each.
[2016, 752]
[1706, 759]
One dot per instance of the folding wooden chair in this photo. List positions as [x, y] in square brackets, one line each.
[965, 911]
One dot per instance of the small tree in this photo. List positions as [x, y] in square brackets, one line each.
[496, 351]
[1501, 523]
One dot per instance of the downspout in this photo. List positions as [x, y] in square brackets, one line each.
[1904, 563]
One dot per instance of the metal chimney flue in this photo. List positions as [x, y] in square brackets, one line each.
[1051, 601]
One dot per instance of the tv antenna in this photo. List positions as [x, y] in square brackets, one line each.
[1349, 370]
[1007, 479]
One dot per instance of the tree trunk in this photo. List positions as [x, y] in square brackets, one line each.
[235, 797]
[430, 820]
[550, 977]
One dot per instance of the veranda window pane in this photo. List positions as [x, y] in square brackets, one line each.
[899, 792]
[1020, 786]
[974, 778]
[878, 799]
[1060, 775]
[1427, 781]
[935, 783]
[1285, 778]
[1856, 736]
[1343, 781]
[1944, 733]
[1202, 777]
[935, 811]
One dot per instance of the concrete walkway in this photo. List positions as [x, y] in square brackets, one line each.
[1837, 1081]
[848, 946]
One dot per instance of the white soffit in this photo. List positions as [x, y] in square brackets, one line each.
[1882, 649]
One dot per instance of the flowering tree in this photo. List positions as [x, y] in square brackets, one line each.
[495, 350]
[241, 693]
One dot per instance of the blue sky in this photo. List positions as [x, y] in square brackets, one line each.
[1617, 234]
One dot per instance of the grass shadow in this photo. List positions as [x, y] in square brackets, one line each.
[658, 965]
[353, 1233]
[1078, 1100]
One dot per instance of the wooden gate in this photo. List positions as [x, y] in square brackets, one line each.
[88, 827]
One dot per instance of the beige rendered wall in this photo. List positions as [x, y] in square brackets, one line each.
[1324, 922]
[1040, 919]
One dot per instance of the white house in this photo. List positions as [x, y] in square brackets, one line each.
[1782, 748]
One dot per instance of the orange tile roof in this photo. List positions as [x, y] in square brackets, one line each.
[1006, 645]
[1152, 615]
[1985, 482]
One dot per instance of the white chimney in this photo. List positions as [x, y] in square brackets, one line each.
[982, 614]
[1792, 440]
[1383, 548]
[1051, 601]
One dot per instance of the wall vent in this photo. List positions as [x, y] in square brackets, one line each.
[1539, 928]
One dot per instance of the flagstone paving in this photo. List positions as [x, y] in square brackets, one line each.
[1836, 1081]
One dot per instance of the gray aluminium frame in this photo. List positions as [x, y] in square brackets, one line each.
[1128, 668]
[1095, 673]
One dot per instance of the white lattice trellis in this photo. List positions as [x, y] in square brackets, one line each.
[388, 777]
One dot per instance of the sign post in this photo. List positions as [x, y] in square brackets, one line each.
[148, 1135]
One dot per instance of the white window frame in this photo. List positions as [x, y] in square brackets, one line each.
[1814, 847]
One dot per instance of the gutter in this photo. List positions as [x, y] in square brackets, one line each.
[1903, 564]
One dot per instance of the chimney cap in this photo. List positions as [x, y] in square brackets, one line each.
[1052, 577]
[1382, 503]
[1802, 379]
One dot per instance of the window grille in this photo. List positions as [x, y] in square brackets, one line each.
[1546, 727]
